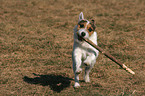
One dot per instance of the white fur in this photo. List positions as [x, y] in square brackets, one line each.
[83, 54]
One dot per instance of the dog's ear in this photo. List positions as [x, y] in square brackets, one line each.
[93, 24]
[81, 16]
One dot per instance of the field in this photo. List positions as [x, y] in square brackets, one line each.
[36, 40]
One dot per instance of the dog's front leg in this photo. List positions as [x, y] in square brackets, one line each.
[76, 85]
[77, 63]
[90, 60]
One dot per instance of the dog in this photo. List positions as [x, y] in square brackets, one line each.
[84, 54]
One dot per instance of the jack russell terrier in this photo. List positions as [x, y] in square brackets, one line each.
[84, 54]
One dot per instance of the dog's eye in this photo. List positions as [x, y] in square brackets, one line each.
[90, 29]
[81, 25]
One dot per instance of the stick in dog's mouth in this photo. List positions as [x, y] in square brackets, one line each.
[79, 38]
[108, 55]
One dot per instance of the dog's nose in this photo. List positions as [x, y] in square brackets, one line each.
[83, 34]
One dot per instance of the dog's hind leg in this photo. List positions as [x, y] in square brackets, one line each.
[88, 69]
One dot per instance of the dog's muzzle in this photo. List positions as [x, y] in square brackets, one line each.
[82, 33]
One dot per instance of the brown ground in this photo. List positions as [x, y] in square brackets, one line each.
[36, 38]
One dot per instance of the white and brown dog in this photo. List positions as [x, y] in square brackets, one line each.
[83, 53]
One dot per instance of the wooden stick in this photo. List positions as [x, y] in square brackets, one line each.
[109, 56]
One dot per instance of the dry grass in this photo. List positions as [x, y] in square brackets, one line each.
[36, 39]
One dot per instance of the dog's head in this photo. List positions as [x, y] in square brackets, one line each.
[85, 28]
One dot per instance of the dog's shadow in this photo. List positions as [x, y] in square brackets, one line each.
[56, 82]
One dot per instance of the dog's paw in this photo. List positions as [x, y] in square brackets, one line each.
[87, 79]
[86, 63]
[77, 85]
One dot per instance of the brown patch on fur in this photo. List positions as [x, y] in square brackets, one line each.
[82, 24]
[90, 27]
[93, 24]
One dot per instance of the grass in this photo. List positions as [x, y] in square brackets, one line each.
[36, 39]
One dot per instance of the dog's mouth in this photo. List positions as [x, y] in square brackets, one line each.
[79, 38]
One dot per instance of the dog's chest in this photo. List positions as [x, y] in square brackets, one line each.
[86, 50]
